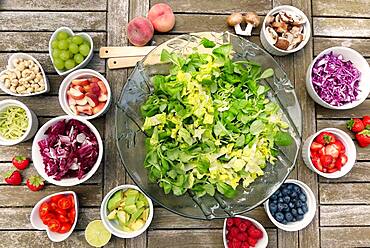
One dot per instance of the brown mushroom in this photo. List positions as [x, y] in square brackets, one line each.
[252, 20]
[296, 41]
[234, 20]
[280, 27]
[282, 43]
[271, 36]
[269, 19]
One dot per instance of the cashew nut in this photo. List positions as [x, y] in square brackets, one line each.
[20, 89]
[12, 89]
[29, 90]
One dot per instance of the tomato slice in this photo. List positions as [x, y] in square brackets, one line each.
[56, 198]
[63, 218]
[72, 215]
[60, 211]
[54, 225]
[44, 209]
[64, 203]
[72, 199]
[65, 228]
[47, 217]
[53, 205]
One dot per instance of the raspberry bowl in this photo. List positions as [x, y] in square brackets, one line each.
[248, 232]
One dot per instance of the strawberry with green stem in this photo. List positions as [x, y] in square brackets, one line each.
[35, 183]
[13, 177]
[355, 125]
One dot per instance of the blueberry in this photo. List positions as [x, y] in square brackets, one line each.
[272, 207]
[275, 201]
[299, 217]
[290, 186]
[280, 195]
[300, 211]
[294, 212]
[279, 216]
[304, 208]
[285, 207]
[302, 197]
[273, 197]
[294, 219]
[293, 195]
[280, 207]
[280, 199]
[285, 191]
[298, 204]
[277, 192]
[291, 204]
[284, 222]
[288, 217]
[286, 199]
[297, 189]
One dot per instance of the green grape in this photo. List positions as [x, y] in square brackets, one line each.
[65, 55]
[84, 49]
[62, 35]
[78, 58]
[54, 44]
[59, 64]
[69, 40]
[69, 64]
[77, 39]
[73, 48]
[63, 44]
[56, 53]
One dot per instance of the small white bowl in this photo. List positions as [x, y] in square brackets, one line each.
[262, 243]
[39, 164]
[36, 221]
[358, 61]
[112, 226]
[11, 66]
[277, 51]
[70, 32]
[33, 122]
[348, 144]
[307, 218]
[81, 74]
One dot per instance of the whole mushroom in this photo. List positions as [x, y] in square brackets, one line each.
[252, 20]
[234, 20]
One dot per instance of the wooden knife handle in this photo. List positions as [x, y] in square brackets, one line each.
[126, 62]
[126, 51]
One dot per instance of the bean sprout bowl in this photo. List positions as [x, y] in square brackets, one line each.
[130, 137]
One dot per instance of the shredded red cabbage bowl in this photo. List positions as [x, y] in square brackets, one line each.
[69, 150]
[336, 80]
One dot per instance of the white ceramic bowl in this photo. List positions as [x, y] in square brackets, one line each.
[37, 158]
[11, 66]
[70, 32]
[37, 222]
[358, 61]
[112, 226]
[307, 218]
[262, 243]
[33, 123]
[277, 51]
[81, 74]
[348, 144]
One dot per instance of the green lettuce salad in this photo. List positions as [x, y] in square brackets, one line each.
[209, 124]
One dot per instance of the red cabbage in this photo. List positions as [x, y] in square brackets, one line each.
[69, 150]
[335, 80]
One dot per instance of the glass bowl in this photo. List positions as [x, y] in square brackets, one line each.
[130, 138]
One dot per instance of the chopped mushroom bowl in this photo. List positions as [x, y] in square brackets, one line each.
[285, 30]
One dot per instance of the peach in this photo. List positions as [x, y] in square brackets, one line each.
[162, 17]
[140, 31]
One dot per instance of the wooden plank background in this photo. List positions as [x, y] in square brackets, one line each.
[343, 216]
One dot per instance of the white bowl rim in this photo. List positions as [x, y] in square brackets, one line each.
[48, 232]
[110, 227]
[29, 57]
[307, 218]
[76, 74]
[340, 133]
[71, 32]
[262, 243]
[366, 73]
[13, 102]
[307, 26]
[69, 181]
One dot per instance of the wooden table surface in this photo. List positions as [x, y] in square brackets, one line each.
[343, 216]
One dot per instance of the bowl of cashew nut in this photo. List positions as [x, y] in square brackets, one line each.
[23, 76]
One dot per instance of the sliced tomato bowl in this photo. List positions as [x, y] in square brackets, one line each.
[56, 214]
[330, 152]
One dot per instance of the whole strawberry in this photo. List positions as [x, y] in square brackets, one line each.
[20, 162]
[13, 177]
[35, 183]
[363, 138]
[366, 121]
[355, 125]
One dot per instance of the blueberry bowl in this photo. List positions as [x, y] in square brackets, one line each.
[292, 207]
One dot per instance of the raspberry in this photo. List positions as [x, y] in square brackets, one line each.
[255, 233]
[242, 236]
[237, 221]
[234, 231]
[237, 244]
[243, 226]
[252, 241]
[229, 222]
[247, 222]
[244, 245]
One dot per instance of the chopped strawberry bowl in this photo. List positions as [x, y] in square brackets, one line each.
[244, 232]
[331, 153]
[85, 93]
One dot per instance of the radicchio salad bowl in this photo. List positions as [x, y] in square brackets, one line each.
[174, 175]
[67, 151]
